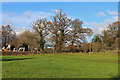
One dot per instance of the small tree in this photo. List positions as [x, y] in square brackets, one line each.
[85, 46]
[96, 46]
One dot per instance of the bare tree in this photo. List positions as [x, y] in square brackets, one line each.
[75, 36]
[28, 38]
[41, 29]
[59, 29]
[8, 35]
[85, 46]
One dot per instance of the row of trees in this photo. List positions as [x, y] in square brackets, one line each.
[62, 34]
[108, 40]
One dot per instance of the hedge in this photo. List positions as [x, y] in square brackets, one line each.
[17, 53]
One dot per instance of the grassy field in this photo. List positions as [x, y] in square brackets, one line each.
[75, 65]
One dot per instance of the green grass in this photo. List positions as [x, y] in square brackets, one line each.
[73, 65]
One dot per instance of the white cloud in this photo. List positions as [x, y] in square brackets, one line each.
[55, 10]
[7, 21]
[20, 30]
[27, 14]
[99, 27]
[100, 14]
[85, 23]
[9, 13]
[112, 12]
[24, 19]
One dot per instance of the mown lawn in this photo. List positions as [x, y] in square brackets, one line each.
[74, 65]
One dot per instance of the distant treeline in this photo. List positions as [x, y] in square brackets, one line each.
[62, 34]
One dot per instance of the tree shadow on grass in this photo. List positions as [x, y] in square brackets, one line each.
[15, 59]
[116, 78]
